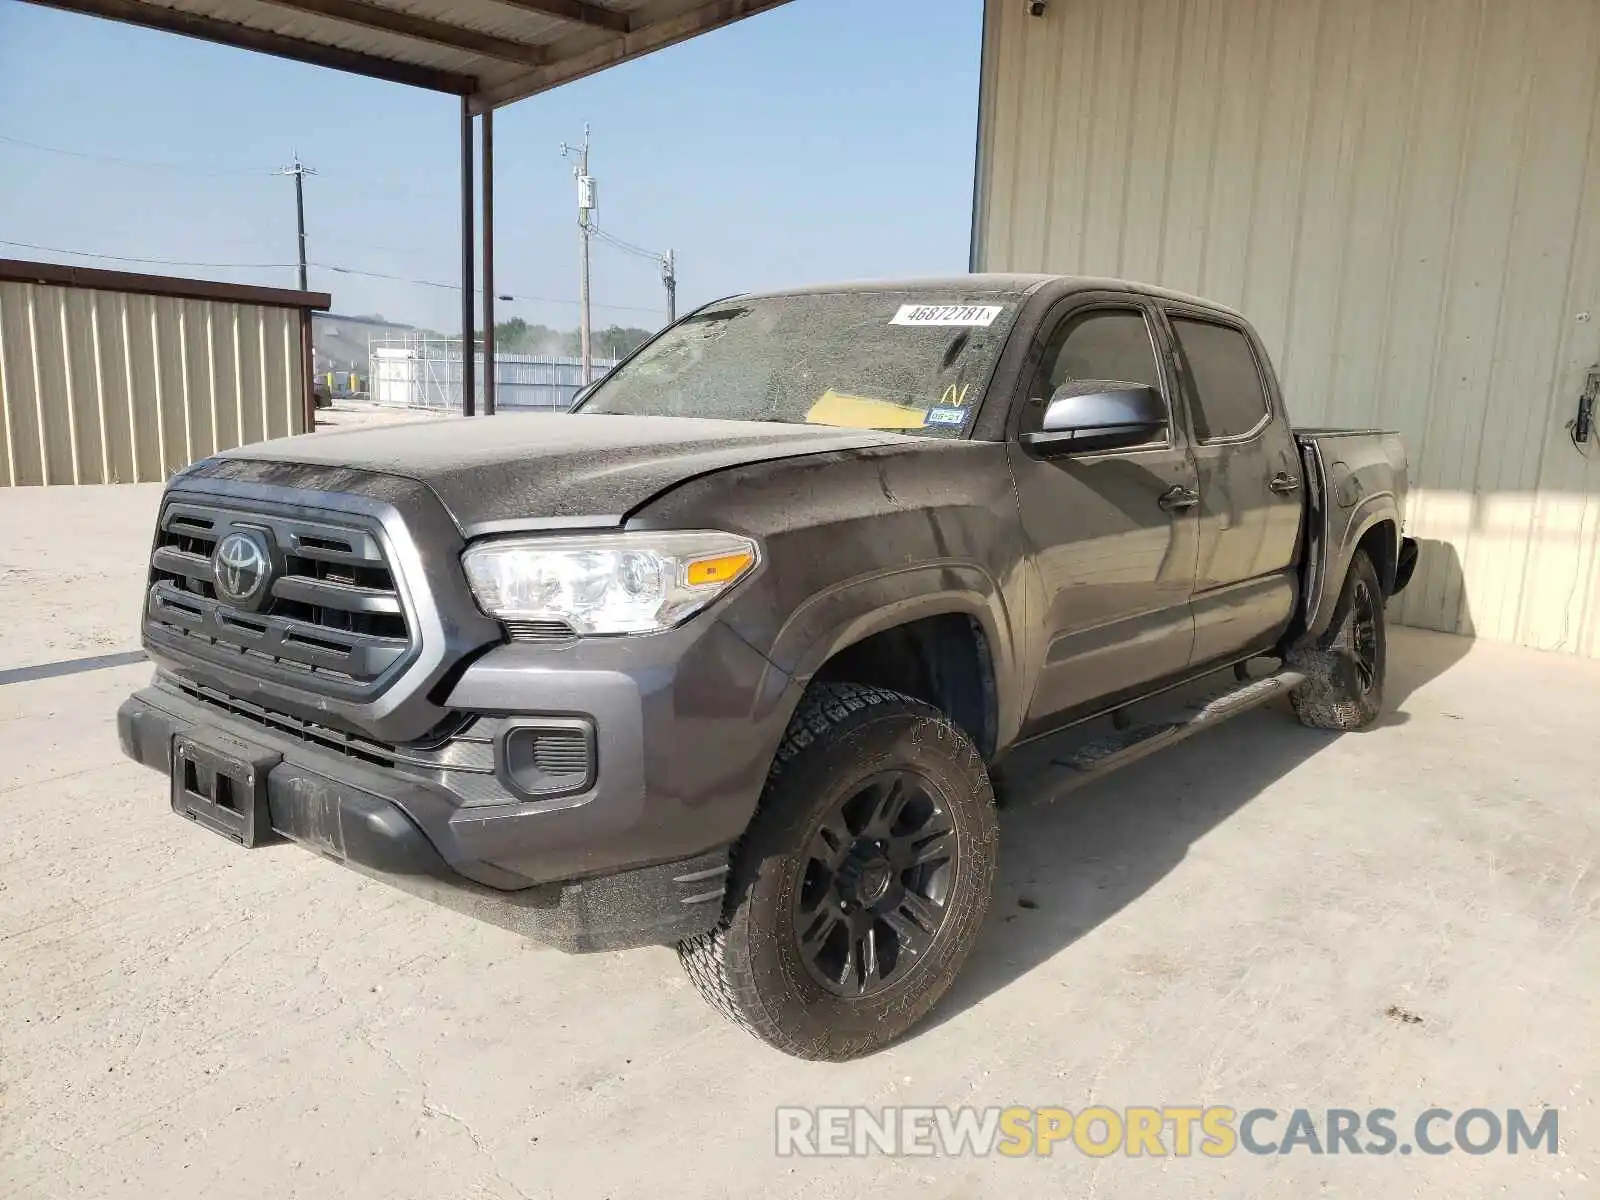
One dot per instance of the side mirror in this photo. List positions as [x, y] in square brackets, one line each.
[1098, 414]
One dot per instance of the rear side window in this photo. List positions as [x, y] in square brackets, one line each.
[1229, 398]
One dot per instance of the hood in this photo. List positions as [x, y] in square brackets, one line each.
[556, 467]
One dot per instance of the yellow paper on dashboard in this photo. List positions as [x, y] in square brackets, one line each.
[860, 412]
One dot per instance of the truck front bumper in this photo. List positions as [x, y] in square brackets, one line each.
[638, 857]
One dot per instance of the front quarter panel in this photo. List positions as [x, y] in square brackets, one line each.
[858, 542]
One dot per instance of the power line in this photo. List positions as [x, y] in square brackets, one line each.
[157, 262]
[346, 182]
[626, 247]
[298, 171]
[449, 287]
[638, 308]
[321, 266]
[144, 164]
[667, 262]
[456, 287]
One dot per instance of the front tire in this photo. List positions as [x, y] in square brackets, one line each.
[862, 882]
[1344, 674]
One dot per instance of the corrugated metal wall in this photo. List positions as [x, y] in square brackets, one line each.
[109, 387]
[1403, 195]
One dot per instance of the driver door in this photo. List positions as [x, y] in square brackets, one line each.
[1114, 534]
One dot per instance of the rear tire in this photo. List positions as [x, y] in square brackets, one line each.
[1345, 673]
[862, 882]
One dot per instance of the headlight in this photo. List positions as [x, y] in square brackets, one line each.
[611, 583]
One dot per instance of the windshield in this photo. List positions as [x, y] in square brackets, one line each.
[861, 360]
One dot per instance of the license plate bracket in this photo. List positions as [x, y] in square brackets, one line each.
[219, 781]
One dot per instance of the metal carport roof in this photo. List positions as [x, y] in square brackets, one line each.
[492, 52]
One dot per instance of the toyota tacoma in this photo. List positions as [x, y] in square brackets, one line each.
[728, 656]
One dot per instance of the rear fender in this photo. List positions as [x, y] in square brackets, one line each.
[1374, 511]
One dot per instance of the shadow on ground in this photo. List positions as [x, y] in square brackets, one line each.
[1068, 865]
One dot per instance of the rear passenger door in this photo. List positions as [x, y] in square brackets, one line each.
[1112, 533]
[1250, 486]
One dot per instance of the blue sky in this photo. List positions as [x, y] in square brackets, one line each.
[829, 138]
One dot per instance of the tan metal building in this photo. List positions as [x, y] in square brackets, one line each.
[1403, 196]
[111, 377]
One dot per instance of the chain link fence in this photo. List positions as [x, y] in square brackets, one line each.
[421, 372]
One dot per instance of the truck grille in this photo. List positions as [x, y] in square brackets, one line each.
[332, 614]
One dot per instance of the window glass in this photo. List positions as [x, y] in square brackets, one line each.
[1228, 392]
[1105, 345]
[1109, 344]
[912, 362]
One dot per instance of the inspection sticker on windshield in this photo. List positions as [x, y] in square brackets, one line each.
[947, 314]
[945, 416]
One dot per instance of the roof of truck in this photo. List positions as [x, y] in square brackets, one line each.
[991, 283]
[967, 285]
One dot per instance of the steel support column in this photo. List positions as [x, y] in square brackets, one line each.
[307, 370]
[487, 120]
[468, 338]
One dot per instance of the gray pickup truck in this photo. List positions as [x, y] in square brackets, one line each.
[725, 657]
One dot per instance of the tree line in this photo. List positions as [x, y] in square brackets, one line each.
[516, 336]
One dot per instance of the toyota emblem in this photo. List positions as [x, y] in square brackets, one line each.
[241, 568]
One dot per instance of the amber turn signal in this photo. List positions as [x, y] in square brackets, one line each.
[723, 569]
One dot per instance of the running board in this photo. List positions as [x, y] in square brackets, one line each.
[1102, 756]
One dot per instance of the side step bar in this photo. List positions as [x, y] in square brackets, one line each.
[1102, 756]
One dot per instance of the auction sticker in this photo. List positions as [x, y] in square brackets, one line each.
[947, 314]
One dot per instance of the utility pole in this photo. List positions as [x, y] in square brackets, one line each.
[669, 276]
[299, 170]
[579, 155]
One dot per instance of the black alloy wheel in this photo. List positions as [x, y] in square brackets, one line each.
[1344, 672]
[1364, 616]
[862, 882]
[877, 884]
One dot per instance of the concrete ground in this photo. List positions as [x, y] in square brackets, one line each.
[361, 414]
[1264, 917]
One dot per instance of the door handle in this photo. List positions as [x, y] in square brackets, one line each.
[1178, 499]
[1284, 483]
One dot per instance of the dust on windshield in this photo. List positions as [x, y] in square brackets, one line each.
[902, 361]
